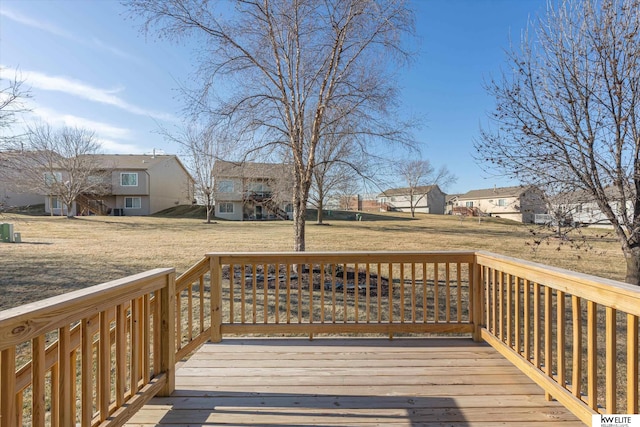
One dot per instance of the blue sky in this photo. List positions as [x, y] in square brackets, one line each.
[89, 66]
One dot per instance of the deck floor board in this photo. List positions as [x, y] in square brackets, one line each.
[352, 382]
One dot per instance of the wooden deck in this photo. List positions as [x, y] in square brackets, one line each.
[352, 382]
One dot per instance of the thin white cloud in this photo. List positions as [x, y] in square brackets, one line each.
[100, 128]
[113, 147]
[44, 26]
[52, 29]
[84, 90]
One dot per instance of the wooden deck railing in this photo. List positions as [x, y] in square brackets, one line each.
[88, 356]
[312, 293]
[575, 335]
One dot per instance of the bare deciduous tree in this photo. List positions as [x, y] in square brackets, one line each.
[12, 97]
[202, 146]
[60, 163]
[420, 173]
[567, 111]
[274, 70]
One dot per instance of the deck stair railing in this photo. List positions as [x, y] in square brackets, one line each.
[575, 335]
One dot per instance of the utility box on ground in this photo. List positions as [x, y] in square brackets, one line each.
[6, 233]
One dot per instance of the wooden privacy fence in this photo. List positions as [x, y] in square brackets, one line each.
[575, 335]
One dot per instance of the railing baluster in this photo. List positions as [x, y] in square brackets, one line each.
[37, 381]
[501, 306]
[121, 354]
[265, 299]
[425, 313]
[536, 325]
[201, 299]
[402, 290]
[611, 360]
[576, 324]
[277, 292]
[345, 313]
[560, 337]
[459, 291]
[54, 405]
[87, 373]
[527, 320]
[592, 355]
[190, 306]
[494, 301]
[379, 298]
[390, 294]
[254, 294]
[516, 310]
[333, 292]
[632, 364]
[447, 281]
[243, 294]
[356, 292]
[104, 367]
[436, 293]
[299, 282]
[509, 302]
[146, 338]
[178, 318]
[367, 283]
[66, 382]
[232, 284]
[548, 339]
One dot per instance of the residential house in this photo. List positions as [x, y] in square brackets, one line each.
[519, 203]
[426, 199]
[450, 201]
[579, 207]
[136, 184]
[13, 191]
[252, 191]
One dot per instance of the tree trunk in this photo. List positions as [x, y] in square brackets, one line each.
[632, 256]
[299, 213]
[209, 208]
[319, 216]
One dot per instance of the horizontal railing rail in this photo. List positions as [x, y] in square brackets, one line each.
[89, 357]
[575, 335]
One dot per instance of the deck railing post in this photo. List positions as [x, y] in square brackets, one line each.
[168, 335]
[476, 291]
[8, 415]
[216, 298]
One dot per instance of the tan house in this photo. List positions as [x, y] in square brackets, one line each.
[426, 199]
[516, 203]
[12, 194]
[139, 185]
[251, 191]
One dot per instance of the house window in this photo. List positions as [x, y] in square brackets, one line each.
[56, 203]
[52, 178]
[132, 203]
[129, 179]
[469, 204]
[226, 207]
[502, 202]
[288, 208]
[225, 186]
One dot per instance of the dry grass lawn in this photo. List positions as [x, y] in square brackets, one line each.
[59, 255]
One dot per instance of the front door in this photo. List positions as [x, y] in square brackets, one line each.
[258, 212]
